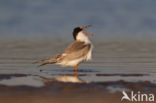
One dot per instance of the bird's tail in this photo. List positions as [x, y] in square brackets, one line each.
[45, 61]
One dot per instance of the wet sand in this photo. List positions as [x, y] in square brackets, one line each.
[56, 91]
[116, 66]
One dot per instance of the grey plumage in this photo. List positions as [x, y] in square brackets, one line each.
[74, 51]
[80, 50]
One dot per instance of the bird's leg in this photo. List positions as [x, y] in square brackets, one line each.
[76, 68]
[76, 71]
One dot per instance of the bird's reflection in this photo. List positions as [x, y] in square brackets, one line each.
[39, 81]
[72, 78]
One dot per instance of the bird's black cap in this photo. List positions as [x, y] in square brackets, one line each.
[76, 31]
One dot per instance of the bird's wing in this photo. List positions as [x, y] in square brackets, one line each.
[75, 46]
[76, 50]
[48, 60]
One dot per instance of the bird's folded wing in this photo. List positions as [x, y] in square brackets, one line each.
[76, 50]
[75, 46]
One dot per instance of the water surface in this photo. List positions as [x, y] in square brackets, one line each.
[116, 66]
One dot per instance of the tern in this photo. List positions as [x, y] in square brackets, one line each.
[78, 51]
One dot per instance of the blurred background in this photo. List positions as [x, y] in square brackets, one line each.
[109, 18]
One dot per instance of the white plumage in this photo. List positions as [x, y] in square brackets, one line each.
[80, 50]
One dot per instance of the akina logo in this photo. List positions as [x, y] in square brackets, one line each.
[138, 96]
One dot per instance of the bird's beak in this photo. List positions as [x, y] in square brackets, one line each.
[88, 33]
[84, 28]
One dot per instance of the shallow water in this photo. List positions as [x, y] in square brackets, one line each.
[116, 66]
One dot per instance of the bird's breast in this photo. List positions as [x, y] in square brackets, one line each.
[89, 54]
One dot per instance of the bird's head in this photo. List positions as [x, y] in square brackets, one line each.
[79, 30]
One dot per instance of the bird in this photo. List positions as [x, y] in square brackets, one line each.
[78, 51]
